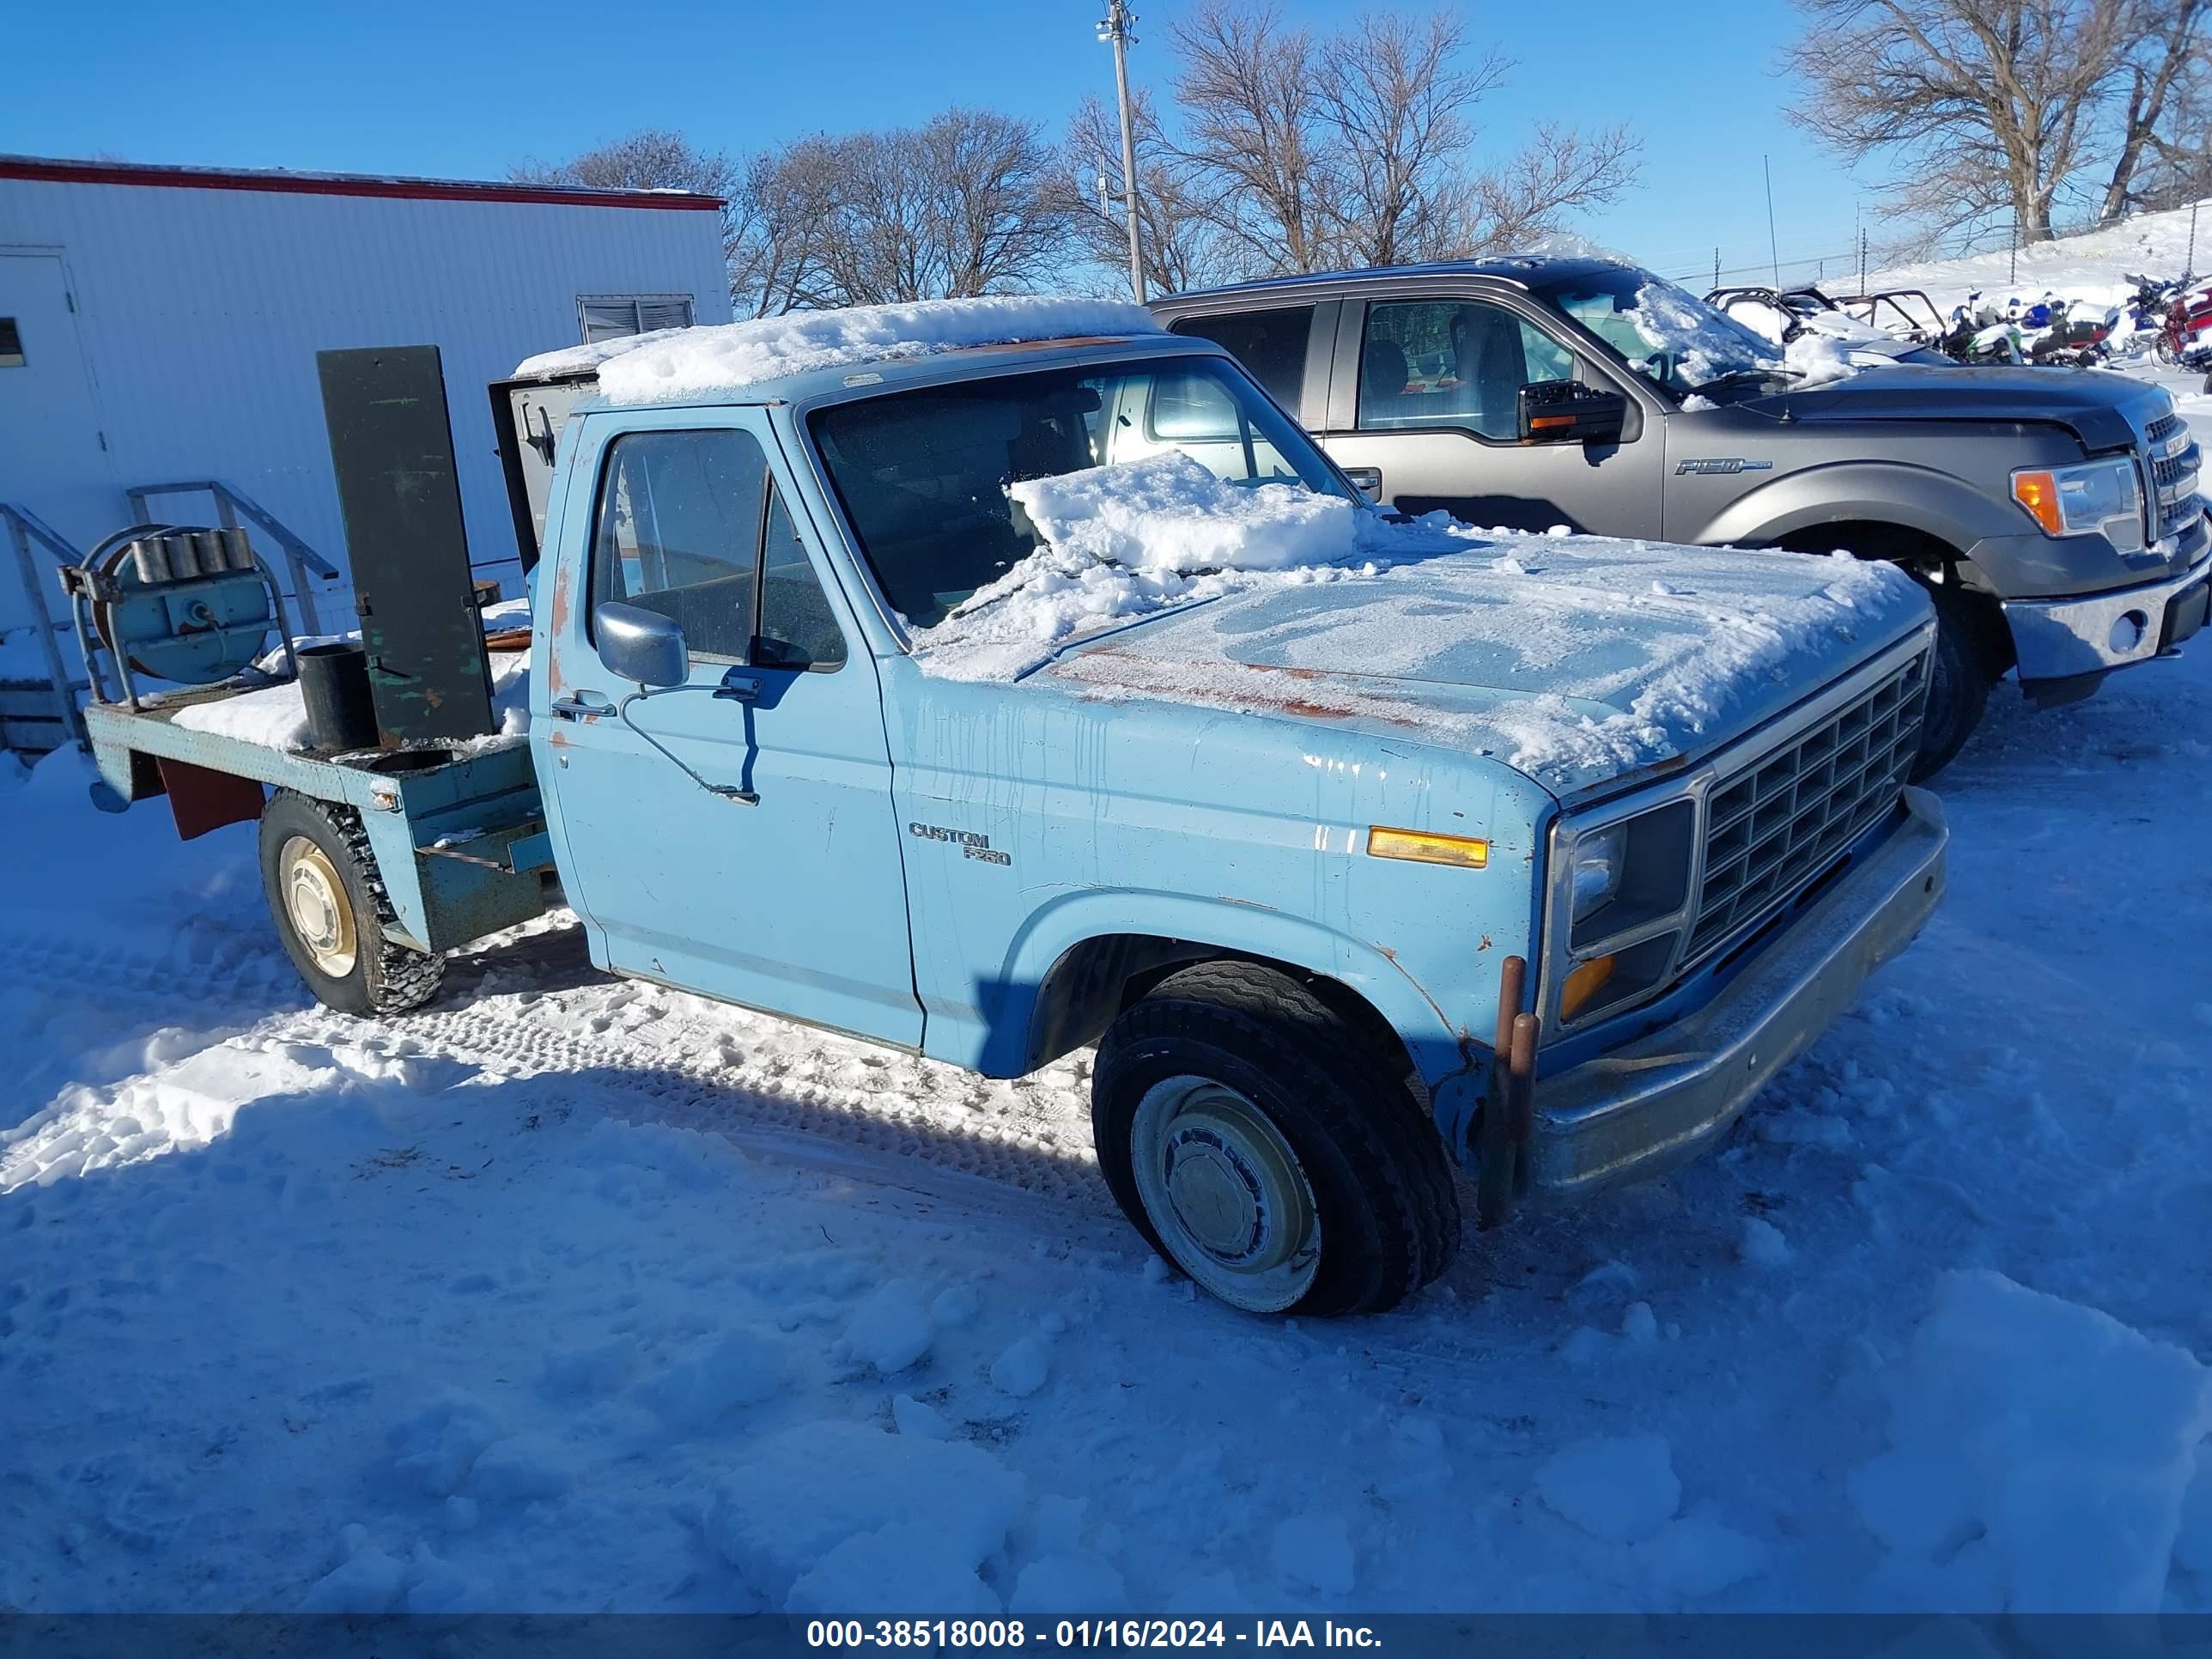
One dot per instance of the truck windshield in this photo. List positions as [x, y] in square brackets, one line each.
[1666, 334]
[923, 474]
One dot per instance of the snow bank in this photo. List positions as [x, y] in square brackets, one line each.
[840, 1516]
[1622, 1489]
[2039, 1454]
[696, 364]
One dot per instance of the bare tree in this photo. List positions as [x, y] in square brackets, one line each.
[783, 211]
[969, 202]
[1398, 111]
[1254, 117]
[2179, 168]
[1986, 107]
[1181, 248]
[1356, 150]
[652, 159]
[1533, 193]
[2163, 63]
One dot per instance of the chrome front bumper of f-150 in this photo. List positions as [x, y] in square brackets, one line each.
[2063, 640]
[1650, 1103]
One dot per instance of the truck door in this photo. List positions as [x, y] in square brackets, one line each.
[796, 903]
[1423, 409]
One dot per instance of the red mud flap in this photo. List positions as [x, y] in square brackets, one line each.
[201, 798]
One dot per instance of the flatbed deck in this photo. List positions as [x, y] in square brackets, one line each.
[458, 831]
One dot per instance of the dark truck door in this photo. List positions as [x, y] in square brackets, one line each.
[1423, 411]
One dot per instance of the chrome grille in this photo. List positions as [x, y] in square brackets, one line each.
[1776, 825]
[2174, 458]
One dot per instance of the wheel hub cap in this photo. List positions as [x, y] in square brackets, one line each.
[1226, 1192]
[315, 904]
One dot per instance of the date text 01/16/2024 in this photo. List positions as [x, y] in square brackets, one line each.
[1085, 1633]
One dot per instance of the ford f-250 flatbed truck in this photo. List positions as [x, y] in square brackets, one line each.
[1269, 847]
[2053, 514]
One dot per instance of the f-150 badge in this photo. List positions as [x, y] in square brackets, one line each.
[1724, 465]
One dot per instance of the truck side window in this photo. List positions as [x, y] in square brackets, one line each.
[679, 533]
[1452, 363]
[1271, 345]
[797, 628]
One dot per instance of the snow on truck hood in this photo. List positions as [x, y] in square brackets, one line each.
[1576, 660]
[694, 365]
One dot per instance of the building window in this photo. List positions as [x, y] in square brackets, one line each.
[611, 316]
[11, 344]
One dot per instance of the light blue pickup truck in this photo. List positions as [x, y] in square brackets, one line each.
[1535, 861]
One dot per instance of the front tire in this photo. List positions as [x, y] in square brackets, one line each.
[329, 909]
[1959, 684]
[1250, 1132]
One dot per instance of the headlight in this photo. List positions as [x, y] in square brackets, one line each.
[1621, 893]
[2073, 500]
[1596, 868]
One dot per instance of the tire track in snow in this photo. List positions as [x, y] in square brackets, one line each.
[716, 1090]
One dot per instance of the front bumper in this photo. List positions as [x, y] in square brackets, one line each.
[2059, 640]
[1652, 1103]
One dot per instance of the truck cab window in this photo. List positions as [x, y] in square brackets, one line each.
[1452, 363]
[679, 532]
[1272, 344]
[797, 627]
[922, 475]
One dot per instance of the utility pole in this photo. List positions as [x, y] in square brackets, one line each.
[1773, 248]
[2189, 265]
[1115, 27]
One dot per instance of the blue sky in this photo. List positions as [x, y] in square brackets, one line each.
[461, 90]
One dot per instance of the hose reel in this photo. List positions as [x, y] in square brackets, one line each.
[183, 603]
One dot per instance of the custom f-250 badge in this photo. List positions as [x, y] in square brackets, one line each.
[972, 845]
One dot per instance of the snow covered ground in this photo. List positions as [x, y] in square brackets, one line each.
[2091, 270]
[569, 1294]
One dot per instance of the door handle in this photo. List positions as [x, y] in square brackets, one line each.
[1367, 480]
[578, 705]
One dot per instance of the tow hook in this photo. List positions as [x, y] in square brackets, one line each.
[1509, 1111]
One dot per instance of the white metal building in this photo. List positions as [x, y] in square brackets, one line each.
[160, 324]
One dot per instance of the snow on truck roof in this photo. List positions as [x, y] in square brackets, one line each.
[697, 365]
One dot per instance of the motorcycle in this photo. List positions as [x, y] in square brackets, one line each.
[2184, 335]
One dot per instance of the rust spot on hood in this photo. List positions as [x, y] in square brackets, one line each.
[1251, 687]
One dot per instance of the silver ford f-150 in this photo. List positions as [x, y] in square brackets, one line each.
[2053, 514]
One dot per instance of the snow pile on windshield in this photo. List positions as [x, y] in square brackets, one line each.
[1705, 344]
[688, 364]
[1129, 539]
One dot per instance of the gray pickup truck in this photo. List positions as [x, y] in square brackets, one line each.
[2053, 514]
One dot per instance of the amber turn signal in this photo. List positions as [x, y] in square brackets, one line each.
[2038, 493]
[1466, 851]
[1588, 978]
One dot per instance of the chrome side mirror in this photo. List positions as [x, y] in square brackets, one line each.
[641, 645]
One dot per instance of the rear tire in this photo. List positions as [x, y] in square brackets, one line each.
[330, 910]
[1258, 1143]
[1959, 684]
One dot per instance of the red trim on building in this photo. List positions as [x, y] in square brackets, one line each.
[344, 184]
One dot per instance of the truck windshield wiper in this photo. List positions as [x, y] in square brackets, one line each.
[1742, 377]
